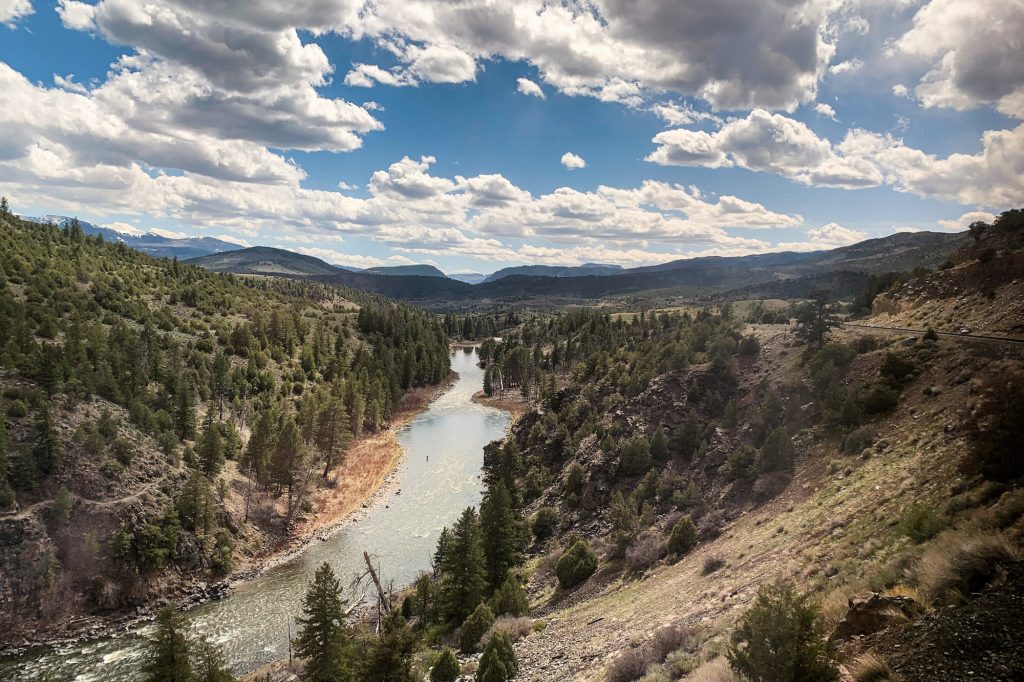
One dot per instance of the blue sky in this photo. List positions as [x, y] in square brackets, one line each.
[404, 131]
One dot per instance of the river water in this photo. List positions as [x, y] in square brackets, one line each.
[438, 478]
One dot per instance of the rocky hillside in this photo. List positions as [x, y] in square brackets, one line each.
[163, 426]
[980, 288]
[873, 464]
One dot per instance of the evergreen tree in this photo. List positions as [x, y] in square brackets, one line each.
[446, 669]
[332, 432]
[498, 664]
[211, 448]
[47, 451]
[288, 458]
[169, 659]
[463, 577]
[185, 410]
[659, 445]
[323, 640]
[389, 657]
[209, 664]
[5, 208]
[503, 535]
[777, 453]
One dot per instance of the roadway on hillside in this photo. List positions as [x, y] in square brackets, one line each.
[907, 330]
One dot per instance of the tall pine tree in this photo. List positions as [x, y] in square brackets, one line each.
[323, 639]
[503, 535]
[463, 575]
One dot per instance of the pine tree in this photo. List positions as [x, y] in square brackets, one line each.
[47, 451]
[288, 458]
[659, 445]
[185, 410]
[323, 640]
[503, 535]
[464, 577]
[777, 453]
[332, 433]
[211, 448]
[209, 664]
[5, 208]
[389, 658]
[169, 658]
[220, 381]
[498, 664]
[446, 669]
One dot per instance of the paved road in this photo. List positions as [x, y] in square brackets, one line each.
[906, 330]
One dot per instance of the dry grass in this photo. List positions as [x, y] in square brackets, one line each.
[959, 563]
[516, 627]
[715, 670]
[871, 667]
[904, 590]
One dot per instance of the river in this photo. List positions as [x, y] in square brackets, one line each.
[438, 478]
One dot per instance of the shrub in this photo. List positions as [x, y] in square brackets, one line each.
[959, 564]
[749, 345]
[446, 668]
[715, 670]
[576, 564]
[544, 523]
[872, 668]
[17, 409]
[510, 599]
[515, 627]
[897, 369]
[780, 639]
[920, 523]
[629, 665]
[712, 563]
[668, 639]
[995, 453]
[479, 622]
[498, 664]
[644, 552]
[124, 452]
[858, 439]
[777, 454]
[635, 457]
[879, 398]
[684, 536]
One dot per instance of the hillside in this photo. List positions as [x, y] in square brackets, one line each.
[596, 269]
[842, 270]
[153, 244]
[702, 459]
[264, 260]
[164, 427]
[406, 270]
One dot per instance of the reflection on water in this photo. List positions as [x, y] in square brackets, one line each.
[437, 479]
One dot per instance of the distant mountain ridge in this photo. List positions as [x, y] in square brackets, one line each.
[150, 242]
[556, 271]
[406, 270]
[265, 260]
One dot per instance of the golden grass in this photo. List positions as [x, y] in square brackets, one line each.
[958, 563]
[871, 667]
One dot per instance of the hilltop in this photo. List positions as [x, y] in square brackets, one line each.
[406, 270]
[556, 271]
[264, 260]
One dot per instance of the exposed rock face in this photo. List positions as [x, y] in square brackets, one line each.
[873, 612]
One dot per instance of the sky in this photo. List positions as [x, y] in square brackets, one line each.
[476, 134]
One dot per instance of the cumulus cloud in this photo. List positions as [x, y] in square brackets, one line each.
[826, 110]
[13, 10]
[528, 87]
[573, 161]
[765, 142]
[773, 143]
[965, 220]
[828, 236]
[352, 260]
[901, 90]
[974, 51]
[616, 49]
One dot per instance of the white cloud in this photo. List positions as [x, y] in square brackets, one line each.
[528, 87]
[573, 161]
[826, 110]
[231, 239]
[858, 25]
[347, 187]
[13, 10]
[901, 90]
[974, 51]
[352, 260]
[68, 83]
[965, 220]
[828, 236]
[681, 115]
[848, 66]
[124, 228]
[773, 143]
[765, 142]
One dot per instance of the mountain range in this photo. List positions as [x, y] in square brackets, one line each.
[150, 242]
[842, 271]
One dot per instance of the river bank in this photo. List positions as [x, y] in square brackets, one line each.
[368, 474]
